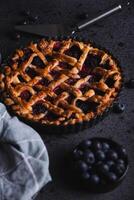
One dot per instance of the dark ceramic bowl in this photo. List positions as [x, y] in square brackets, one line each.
[107, 186]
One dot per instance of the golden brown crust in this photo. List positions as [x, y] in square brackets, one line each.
[23, 88]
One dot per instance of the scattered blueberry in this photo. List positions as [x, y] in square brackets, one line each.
[94, 179]
[83, 16]
[118, 107]
[100, 155]
[130, 83]
[112, 155]
[89, 157]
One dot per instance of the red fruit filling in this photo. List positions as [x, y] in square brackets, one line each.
[65, 65]
[39, 108]
[57, 46]
[52, 116]
[110, 82]
[92, 61]
[31, 72]
[87, 106]
[25, 95]
[21, 79]
[38, 62]
[74, 51]
[49, 58]
[45, 82]
[106, 65]
[58, 90]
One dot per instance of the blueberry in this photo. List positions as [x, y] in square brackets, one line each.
[112, 155]
[85, 144]
[110, 163]
[85, 175]
[77, 154]
[83, 16]
[119, 169]
[81, 166]
[130, 83]
[89, 157]
[94, 179]
[120, 161]
[122, 152]
[118, 107]
[100, 155]
[105, 146]
[103, 168]
[97, 145]
[111, 176]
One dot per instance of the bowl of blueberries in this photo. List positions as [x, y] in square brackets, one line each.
[99, 164]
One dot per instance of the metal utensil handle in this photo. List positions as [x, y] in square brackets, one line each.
[83, 25]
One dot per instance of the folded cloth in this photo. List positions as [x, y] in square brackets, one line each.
[24, 162]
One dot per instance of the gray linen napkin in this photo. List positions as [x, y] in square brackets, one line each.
[24, 160]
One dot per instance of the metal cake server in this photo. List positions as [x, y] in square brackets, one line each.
[52, 30]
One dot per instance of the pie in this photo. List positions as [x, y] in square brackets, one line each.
[60, 82]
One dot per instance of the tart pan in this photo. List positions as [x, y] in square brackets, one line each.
[63, 129]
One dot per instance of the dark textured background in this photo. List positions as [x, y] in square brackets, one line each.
[116, 33]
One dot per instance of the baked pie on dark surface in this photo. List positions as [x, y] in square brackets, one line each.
[60, 82]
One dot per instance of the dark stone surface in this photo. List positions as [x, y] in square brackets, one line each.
[114, 33]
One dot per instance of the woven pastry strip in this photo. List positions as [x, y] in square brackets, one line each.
[60, 82]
